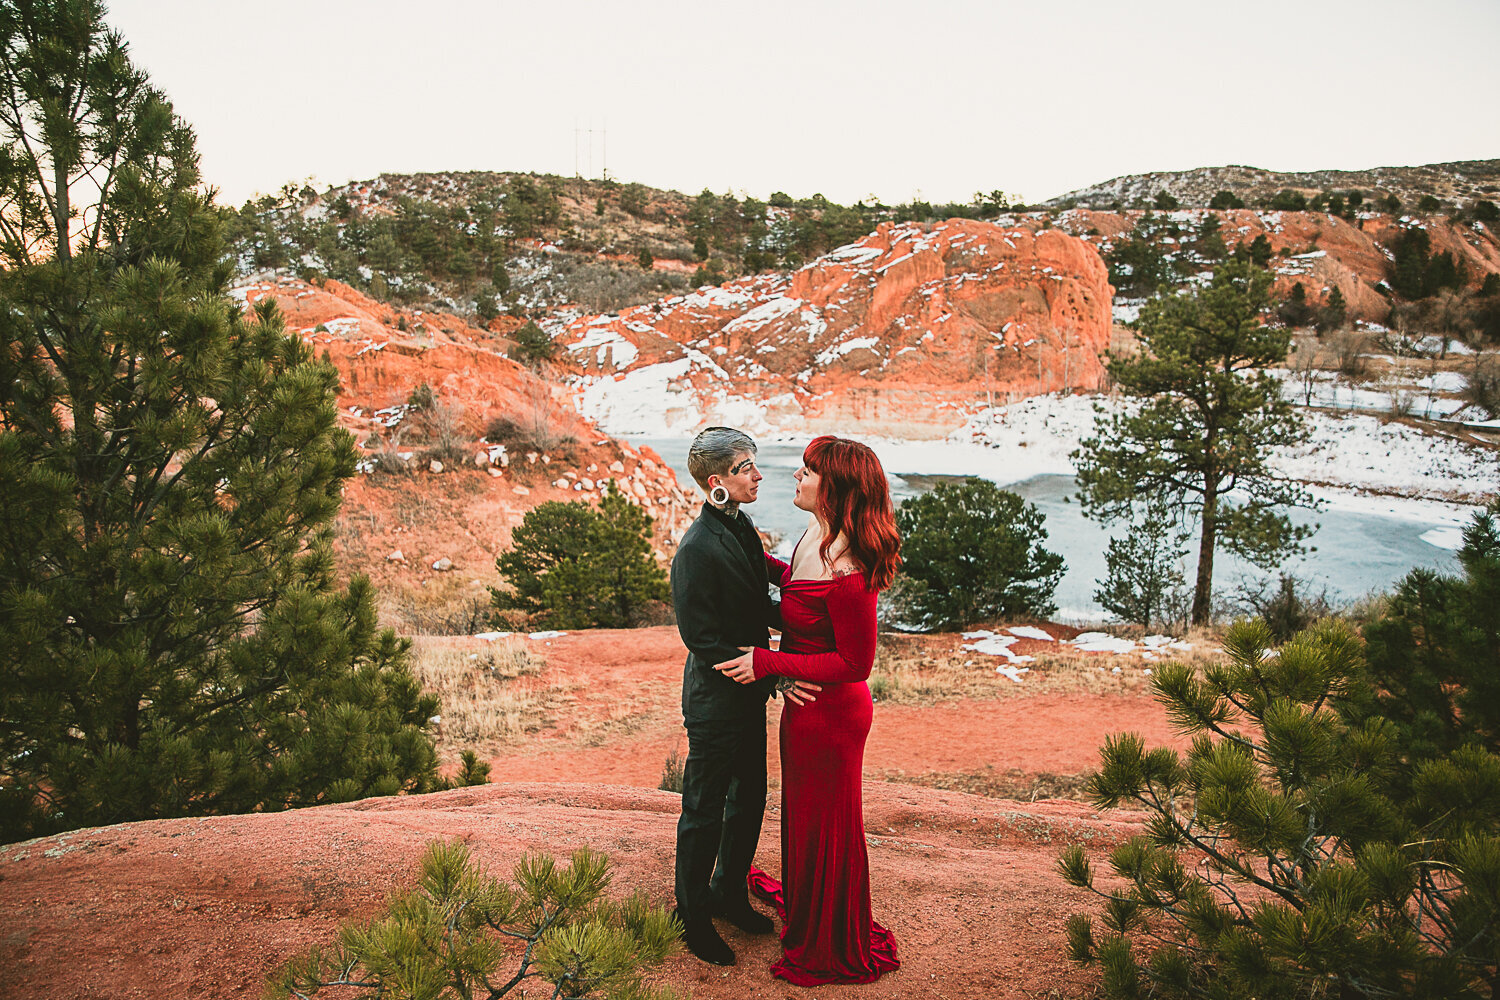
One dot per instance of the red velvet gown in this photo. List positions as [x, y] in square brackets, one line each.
[828, 934]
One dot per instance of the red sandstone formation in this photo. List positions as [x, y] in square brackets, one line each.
[903, 332]
[464, 513]
[1320, 250]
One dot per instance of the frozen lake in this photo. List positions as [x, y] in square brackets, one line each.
[1359, 547]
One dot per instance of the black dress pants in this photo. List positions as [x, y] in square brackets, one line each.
[723, 803]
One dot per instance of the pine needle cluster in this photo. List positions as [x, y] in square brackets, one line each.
[1306, 845]
[460, 932]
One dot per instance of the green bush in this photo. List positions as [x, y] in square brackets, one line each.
[973, 552]
[572, 566]
[533, 345]
[1435, 656]
[451, 936]
[1288, 200]
[1334, 831]
[1226, 199]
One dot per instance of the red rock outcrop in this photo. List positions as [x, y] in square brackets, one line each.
[902, 332]
[466, 513]
[1320, 250]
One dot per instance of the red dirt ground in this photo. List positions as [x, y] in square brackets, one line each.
[207, 907]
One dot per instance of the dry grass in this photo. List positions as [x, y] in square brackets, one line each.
[930, 669]
[1013, 783]
[499, 694]
[446, 604]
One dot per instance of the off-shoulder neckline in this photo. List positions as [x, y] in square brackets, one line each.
[837, 575]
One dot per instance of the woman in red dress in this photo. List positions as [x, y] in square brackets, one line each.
[849, 553]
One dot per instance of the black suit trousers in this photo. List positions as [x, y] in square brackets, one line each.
[723, 803]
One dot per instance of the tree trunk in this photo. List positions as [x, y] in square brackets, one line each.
[1203, 588]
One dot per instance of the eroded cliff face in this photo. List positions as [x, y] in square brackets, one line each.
[903, 333]
[462, 509]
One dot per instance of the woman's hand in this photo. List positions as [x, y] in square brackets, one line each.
[801, 692]
[741, 668]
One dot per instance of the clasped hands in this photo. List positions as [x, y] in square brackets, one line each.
[742, 670]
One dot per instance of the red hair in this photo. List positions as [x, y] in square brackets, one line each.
[854, 499]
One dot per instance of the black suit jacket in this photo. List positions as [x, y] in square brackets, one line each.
[722, 603]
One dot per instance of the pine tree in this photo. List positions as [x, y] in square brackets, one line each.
[1333, 313]
[1435, 655]
[1210, 239]
[451, 936]
[972, 552]
[1207, 418]
[169, 473]
[1294, 310]
[571, 566]
[1143, 582]
[533, 345]
[1300, 851]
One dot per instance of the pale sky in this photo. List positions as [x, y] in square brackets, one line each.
[940, 99]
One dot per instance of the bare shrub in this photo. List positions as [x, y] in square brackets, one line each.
[1305, 361]
[440, 426]
[1287, 606]
[1482, 385]
[447, 605]
[1349, 347]
[535, 426]
[607, 287]
[671, 773]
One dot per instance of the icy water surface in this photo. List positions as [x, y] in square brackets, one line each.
[1356, 553]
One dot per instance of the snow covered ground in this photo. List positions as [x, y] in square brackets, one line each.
[1345, 452]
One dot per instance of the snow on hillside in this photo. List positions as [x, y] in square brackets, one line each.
[1355, 453]
[1346, 454]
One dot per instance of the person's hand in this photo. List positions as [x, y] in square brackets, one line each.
[741, 668]
[801, 692]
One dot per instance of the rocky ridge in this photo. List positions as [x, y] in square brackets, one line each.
[1456, 183]
[1318, 249]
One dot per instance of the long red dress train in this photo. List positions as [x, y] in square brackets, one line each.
[828, 934]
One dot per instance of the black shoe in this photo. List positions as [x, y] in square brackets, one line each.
[745, 917]
[703, 940]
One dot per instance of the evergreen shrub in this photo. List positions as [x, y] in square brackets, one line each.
[972, 552]
[1333, 830]
[571, 566]
[460, 933]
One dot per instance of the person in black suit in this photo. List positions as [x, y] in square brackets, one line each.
[721, 596]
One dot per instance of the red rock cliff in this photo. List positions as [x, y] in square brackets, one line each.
[902, 332]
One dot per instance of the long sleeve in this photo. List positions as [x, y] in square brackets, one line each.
[775, 569]
[851, 610]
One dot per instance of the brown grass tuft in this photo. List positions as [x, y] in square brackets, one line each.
[929, 669]
[1013, 783]
[495, 694]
